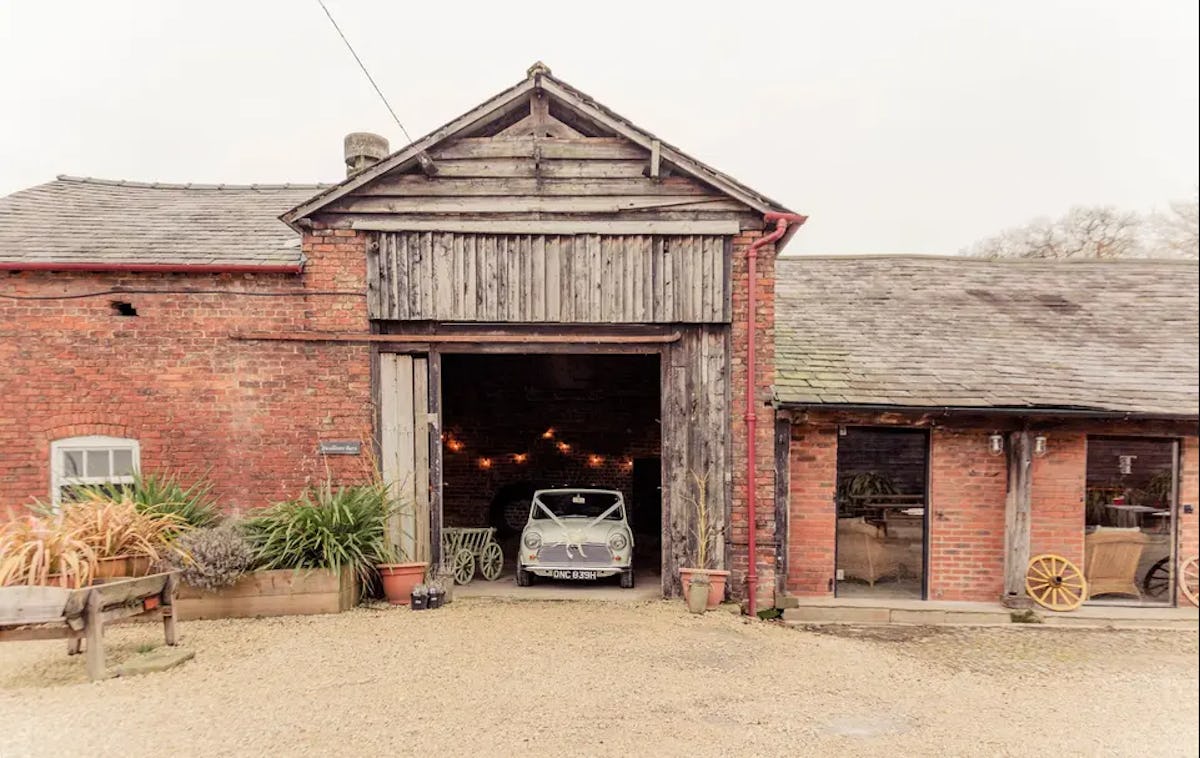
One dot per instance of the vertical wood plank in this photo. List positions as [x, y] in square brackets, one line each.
[537, 275]
[374, 279]
[490, 276]
[553, 290]
[783, 441]
[470, 278]
[427, 294]
[421, 443]
[704, 277]
[442, 280]
[580, 281]
[435, 459]
[1016, 513]
[457, 309]
[727, 281]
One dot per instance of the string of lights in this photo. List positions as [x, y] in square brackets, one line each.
[454, 444]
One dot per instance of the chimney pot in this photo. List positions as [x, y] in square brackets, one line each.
[362, 150]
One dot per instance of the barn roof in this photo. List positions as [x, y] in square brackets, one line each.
[539, 79]
[920, 332]
[76, 221]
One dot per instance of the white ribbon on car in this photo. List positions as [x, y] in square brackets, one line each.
[578, 543]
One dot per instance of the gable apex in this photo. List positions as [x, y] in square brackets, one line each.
[539, 106]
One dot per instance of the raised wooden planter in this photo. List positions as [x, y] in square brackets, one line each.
[280, 592]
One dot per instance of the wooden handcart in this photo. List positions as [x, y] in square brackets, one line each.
[79, 616]
[466, 548]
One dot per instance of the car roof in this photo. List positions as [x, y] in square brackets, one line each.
[578, 489]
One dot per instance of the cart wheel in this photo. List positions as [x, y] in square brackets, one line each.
[464, 566]
[1158, 579]
[1189, 579]
[1055, 583]
[491, 561]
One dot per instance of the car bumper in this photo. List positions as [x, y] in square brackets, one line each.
[545, 569]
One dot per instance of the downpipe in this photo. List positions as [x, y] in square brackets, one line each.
[781, 221]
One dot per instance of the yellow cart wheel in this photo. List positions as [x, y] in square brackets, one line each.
[1189, 579]
[1055, 583]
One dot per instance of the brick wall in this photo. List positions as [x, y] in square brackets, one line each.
[812, 513]
[967, 491]
[1057, 497]
[1189, 494]
[765, 421]
[249, 413]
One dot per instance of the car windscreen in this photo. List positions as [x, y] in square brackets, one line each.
[585, 504]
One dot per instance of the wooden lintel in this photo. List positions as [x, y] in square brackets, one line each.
[463, 337]
[545, 226]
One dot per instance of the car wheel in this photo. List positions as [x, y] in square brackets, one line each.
[524, 578]
[627, 579]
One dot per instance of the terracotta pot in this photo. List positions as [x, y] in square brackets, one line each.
[114, 566]
[399, 579]
[716, 590]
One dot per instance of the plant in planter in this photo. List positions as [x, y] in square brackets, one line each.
[212, 558]
[125, 540]
[161, 493]
[706, 531]
[41, 551]
[325, 528]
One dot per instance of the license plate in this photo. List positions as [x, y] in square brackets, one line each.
[560, 574]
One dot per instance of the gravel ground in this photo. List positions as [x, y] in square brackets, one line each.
[488, 677]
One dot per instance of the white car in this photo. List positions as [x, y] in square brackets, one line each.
[576, 534]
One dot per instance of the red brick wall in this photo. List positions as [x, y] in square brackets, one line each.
[1057, 497]
[967, 491]
[249, 413]
[812, 513]
[1189, 494]
[765, 421]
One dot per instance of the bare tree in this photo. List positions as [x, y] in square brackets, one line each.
[1177, 232]
[1084, 232]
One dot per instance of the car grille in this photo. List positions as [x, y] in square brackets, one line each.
[593, 554]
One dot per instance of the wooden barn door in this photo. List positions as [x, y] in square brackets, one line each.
[410, 447]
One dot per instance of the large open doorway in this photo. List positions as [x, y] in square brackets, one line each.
[1129, 520]
[515, 423]
[882, 478]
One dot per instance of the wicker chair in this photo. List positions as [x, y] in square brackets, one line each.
[1110, 561]
[862, 552]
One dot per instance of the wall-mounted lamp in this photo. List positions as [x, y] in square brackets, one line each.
[1039, 445]
[1125, 464]
[996, 444]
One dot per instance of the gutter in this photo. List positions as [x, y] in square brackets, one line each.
[155, 268]
[950, 410]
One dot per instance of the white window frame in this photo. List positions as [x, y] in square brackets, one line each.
[58, 474]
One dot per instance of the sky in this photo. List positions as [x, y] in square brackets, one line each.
[914, 127]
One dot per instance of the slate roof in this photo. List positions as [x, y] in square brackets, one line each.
[75, 220]
[926, 332]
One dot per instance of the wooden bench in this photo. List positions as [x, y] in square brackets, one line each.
[51, 613]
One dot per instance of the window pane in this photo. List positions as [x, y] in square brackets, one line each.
[72, 463]
[122, 462]
[97, 463]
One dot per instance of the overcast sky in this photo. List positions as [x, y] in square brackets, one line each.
[898, 127]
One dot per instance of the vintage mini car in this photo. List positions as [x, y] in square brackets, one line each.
[576, 534]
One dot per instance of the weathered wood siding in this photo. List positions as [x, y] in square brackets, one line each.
[696, 442]
[535, 178]
[522, 278]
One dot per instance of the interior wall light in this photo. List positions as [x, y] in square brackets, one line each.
[1039, 445]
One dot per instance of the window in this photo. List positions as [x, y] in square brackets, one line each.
[91, 460]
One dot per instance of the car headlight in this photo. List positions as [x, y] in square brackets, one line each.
[618, 541]
[533, 540]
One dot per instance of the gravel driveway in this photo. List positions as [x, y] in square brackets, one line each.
[484, 677]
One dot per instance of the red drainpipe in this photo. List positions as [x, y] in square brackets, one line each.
[781, 221]
[155, 268]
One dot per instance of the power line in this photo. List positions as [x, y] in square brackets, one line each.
[364, 70]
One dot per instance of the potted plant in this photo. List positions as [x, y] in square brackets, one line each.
[707, 530]
[212, 557]
[327, 528]
[126, 541]
[398, 575]
[41, 551]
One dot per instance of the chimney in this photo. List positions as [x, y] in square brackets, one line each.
[363, 149]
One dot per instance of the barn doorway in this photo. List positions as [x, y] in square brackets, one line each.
[516, 423]
[882, 479]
